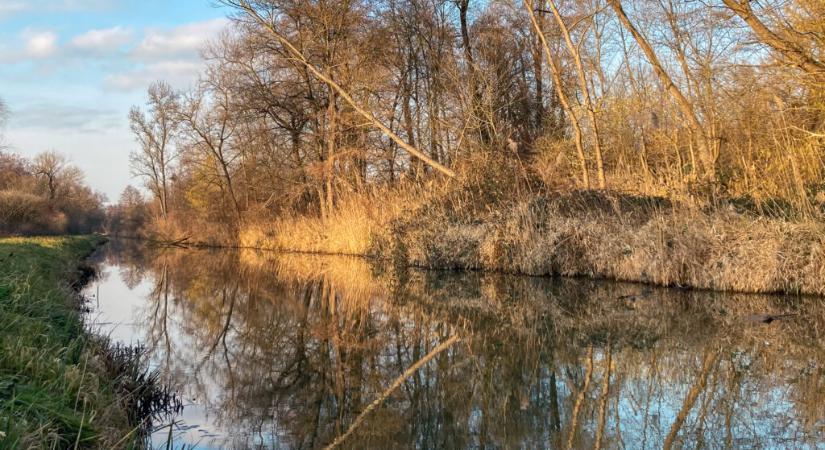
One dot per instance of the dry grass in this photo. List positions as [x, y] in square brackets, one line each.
[194, 229]
[646, 242]
[574, 234]
[348, 230]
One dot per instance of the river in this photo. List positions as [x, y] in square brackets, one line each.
[271, 350]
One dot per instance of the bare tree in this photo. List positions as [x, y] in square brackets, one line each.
[155, 132]
[58, 175]
[685, 106]
[555, 72]
[208, 123]
[129, 214]
[786, 41]
[46, 195]
[304, 103]
[270, 23]
[575, 53]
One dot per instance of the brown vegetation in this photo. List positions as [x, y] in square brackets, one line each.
[458, 134]
[46, 195]
[601, 235]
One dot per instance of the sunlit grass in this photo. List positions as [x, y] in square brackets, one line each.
[596, 234]
[54, 392]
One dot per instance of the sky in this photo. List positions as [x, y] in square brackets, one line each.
[70, 70]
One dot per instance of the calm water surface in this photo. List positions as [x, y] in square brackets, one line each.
[286, 351]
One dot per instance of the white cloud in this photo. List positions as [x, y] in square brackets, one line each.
[102, 40]
[169, 54]
[128, 63]
[179, 73]
[57, 116]
[182, 41]
[39, 44]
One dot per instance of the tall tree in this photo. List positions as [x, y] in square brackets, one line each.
[155, 132]
[564, 100]
[267, 18]
[584, 88]
[209, 124]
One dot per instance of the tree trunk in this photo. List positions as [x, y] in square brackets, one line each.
[789, 50]
[706, 156]
[562, 96]
[330, 156]
[588, 102]
[473, 78]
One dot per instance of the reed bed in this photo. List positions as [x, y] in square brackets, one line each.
[579, 233]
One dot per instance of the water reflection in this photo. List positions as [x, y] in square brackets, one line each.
[286, 351]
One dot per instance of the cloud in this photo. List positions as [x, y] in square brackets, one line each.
[39, 44]
[169, 54]
[52, 116]
[178, 73]
[102, 40]
[126, 63]
[29, 45]
[44, 47]
[8, 8]
[182, 41]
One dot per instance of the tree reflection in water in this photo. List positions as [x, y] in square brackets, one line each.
[306, 351]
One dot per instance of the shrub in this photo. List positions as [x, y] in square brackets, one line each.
[24, 213]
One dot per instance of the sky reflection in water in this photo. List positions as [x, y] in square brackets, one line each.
[286, 351]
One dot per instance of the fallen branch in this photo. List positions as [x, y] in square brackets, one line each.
[175, 242]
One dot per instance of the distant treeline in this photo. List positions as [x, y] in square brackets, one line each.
[46, 195]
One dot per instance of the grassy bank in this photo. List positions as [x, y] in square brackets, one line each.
[574, 233]
[56, 381]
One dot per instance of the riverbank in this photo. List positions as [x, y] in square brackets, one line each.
[60, 386]
[588, 233]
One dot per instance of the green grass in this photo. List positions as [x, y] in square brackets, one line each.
[54, 387]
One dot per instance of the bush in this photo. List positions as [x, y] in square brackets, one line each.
[24, 213]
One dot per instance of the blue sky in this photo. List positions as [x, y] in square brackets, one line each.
[71, 69]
